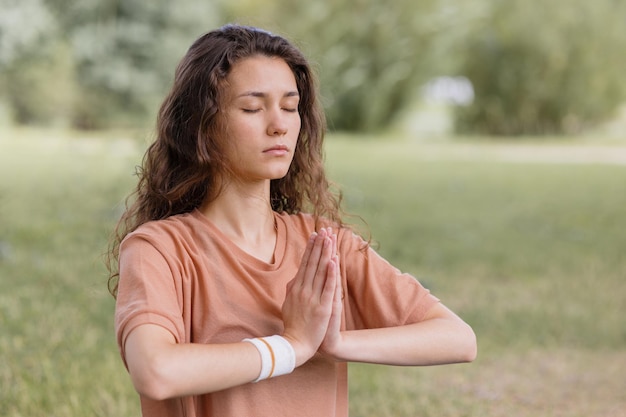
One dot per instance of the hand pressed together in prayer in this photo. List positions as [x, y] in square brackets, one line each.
[312, 307]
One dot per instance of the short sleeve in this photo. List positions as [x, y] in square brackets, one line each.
[147, 291]
[377, 294]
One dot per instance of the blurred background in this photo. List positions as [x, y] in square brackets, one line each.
[483, 142]
[503, 67]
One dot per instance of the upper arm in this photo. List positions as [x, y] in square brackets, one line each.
[440, 311]
[146, 339]
[144, 347]
[377, 294]
[149, 293]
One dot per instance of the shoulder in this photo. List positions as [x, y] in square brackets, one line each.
[166, 232]
[173, 225]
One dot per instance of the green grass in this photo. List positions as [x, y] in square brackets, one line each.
[530, 254]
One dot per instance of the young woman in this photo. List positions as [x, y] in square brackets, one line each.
[240, 291]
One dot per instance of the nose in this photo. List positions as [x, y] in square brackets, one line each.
[277, 124]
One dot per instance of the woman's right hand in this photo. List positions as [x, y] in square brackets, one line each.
[309, 300]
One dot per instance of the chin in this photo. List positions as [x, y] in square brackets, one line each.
[279, 176]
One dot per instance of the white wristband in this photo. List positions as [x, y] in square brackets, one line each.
[277, 356]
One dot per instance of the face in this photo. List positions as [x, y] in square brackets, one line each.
[261, 118]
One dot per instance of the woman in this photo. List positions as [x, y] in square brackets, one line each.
[240, 291]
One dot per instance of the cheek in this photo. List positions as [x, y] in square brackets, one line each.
[297, 125]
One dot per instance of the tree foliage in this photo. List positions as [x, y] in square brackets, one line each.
[94, 63]
[108, 63]
[371, 56]
[119, 56]
[552, 70]
[33, 64]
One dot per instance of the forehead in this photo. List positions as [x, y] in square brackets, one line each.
[260, 74]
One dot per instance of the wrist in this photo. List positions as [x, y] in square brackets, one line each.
[335, 348]
[277, 356]
[302, 351]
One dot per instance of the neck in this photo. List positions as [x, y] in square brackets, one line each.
[243, 213]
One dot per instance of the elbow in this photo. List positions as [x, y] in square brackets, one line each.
[151, 390]
[150, 380]
[469, 345]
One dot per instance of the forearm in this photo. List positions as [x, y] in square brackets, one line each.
[431, 342]
[162, 369]
[414, 344]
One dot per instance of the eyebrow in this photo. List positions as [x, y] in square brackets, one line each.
[261, 94]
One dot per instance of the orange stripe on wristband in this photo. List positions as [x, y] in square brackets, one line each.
[272, 355]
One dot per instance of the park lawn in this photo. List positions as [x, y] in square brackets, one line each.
[529, 253]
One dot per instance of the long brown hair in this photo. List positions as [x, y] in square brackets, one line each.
[184, 166]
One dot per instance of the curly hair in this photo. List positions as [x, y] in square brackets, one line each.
[184, 167]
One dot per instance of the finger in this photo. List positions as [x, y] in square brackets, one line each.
[313, 261]
[338, 287]
[321, 274]
[335, 253]
[299, 278]
[330, 284]
[338, 295]
[337, 309]
[334, 238]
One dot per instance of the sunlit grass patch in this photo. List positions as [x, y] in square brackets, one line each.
[535, 382]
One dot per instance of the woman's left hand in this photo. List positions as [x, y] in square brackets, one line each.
[332, 341]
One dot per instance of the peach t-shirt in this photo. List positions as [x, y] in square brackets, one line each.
[183, 274]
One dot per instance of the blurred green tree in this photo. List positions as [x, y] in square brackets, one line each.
[94, 63]
[108, 63]
[36, 72]
[553, 68]
[371, 55]
[125, 54]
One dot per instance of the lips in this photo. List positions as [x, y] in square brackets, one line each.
[277, 148]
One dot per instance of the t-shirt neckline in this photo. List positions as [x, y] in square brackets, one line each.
[279, 248]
